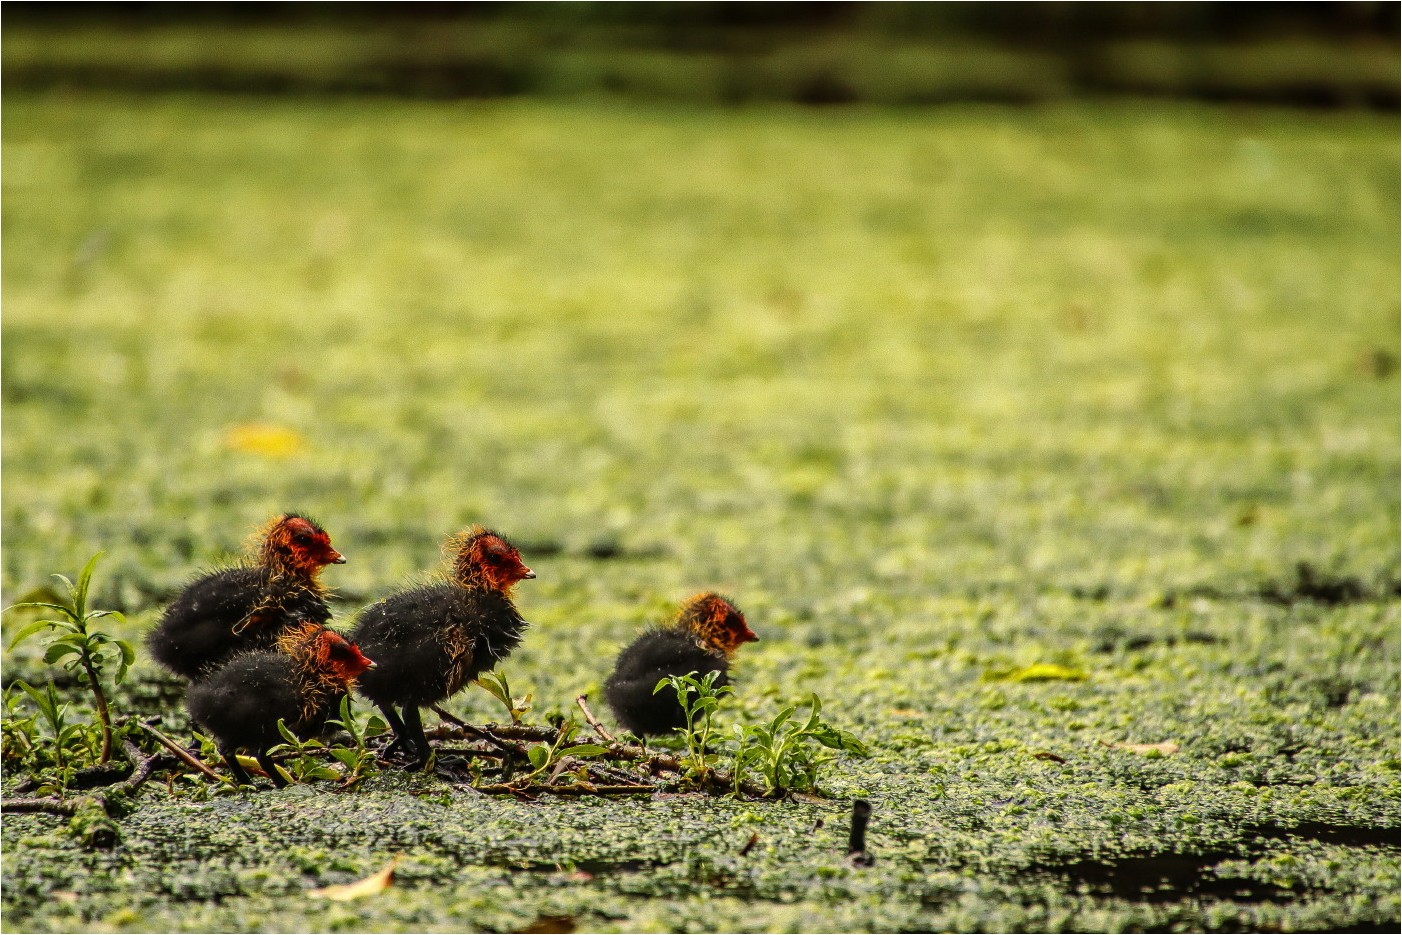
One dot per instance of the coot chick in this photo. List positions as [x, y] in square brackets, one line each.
[300, 681]
[248, 606]
[430, 641]
[703, 638]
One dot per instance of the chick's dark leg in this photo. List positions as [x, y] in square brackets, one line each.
[414, 728]
[235, 769]
[396, 724]
[270, 768]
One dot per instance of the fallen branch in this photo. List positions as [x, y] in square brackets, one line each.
[142, 766]
[716, 779]
[472, 751]
[51, 805]
[656, 763]
[468, 732]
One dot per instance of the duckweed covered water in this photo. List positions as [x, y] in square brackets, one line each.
[1057, 450]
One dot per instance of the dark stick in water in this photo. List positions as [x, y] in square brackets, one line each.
[857, 841]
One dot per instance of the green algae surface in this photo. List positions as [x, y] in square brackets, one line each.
[1056, 449]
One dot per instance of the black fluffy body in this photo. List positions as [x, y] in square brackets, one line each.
[196, 633]
[241, 702]
[653, 656]
[428, 642]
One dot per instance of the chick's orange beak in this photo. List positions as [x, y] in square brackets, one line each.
[337, 558]
[749, 636]
[528, 574]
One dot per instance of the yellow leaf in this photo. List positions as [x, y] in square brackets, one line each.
[1155, 749]
[369, 886]
[270, 441]
[1038, 672]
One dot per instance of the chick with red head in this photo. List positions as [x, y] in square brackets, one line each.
[703, 638]
[431, 640]
[248, 606]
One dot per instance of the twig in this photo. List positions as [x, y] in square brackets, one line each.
[613, 773]
[183, 754]
[468, 732]
[522, 732]
[472, 751]
[574, 788]
[593, 721]
[448, 716]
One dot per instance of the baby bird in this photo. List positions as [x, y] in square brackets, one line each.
[432, 640]
[300, 681]
[248, 606]
[703, 638]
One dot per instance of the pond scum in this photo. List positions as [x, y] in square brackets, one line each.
[92, 772]
[1056, 448]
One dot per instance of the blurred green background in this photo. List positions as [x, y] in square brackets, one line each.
[1094, 365]
[1316, 54]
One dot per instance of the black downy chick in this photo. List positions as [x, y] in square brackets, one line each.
[248, 606]
[703, 638]
[300, 681]
[432, 640]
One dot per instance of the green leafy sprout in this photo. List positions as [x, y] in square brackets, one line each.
[788, 752]
[544, 756]
[699, 699]
[80, 647]
[495, 684]
[305, 760]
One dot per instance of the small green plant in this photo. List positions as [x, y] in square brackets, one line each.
[67, 744]
[699, 699]
[359, 760]
[303, 760]
[80, 646]
[20, 742]
[789, 753]
[495, 684]
[543, 756]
